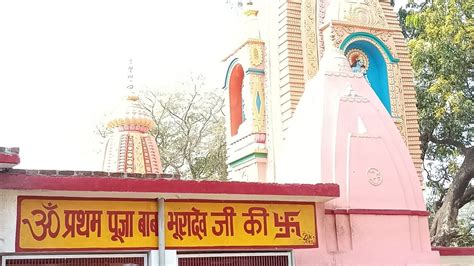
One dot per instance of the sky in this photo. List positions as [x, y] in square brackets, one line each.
[63, 66]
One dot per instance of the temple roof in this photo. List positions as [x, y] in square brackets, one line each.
[341, 133]
[9, 157]
[130, 115]
[85, 183]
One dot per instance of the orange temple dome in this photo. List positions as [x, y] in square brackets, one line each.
[131, 148]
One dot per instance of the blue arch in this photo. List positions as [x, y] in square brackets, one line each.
[229, 70]
[385, 49]
[377, 71]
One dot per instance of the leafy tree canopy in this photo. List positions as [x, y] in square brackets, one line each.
[441, 40]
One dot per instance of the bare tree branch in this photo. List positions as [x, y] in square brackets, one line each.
[187, 135]
[467, 197]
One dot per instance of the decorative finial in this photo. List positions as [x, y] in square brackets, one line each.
[132, 95]
[130, 76]
[250, 9]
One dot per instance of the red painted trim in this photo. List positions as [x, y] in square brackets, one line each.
[146, 156]
[9, 158]
[243, 247]
[316, 231]
[21, 198]
[18, 224]
[18, 217]
[241, 201]
[377, 212]
[454, 251]
[316, 244]
[125, 162]
[42, 250]
[115, 184]
[236, 248]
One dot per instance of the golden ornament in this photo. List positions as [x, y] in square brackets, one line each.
[256, 55]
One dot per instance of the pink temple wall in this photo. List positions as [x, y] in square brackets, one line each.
[343, 132]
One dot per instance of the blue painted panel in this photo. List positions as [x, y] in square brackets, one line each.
[255, 70]
[377, 72]
[369, 36]
[258, 102]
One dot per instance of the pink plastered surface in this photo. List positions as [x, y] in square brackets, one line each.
[342, 134]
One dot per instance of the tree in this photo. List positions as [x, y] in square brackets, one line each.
[190, 132]
[441, 40]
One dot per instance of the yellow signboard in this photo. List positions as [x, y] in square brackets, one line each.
[46, 223]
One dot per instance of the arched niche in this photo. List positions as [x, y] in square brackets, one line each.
[235, 98]
[375, 56]
[374, 66]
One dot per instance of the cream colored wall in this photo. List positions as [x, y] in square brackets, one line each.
[171, 258]
[269, 32]
[276, 138]
[7, 221]
[457, 260]
[284, 73]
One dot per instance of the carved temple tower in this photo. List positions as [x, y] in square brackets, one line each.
[339, 108]
[130, 148]
[246, 127]
[285, 55]
[368, 33]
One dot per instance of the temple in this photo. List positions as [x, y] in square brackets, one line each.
[130, 148]
[282, 51]
[323, 162]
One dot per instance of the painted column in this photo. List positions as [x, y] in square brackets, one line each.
[246, 125]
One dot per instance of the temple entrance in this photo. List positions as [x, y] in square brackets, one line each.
[236, 259]
[77, 260]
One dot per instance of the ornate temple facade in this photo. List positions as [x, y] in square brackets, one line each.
[322, 144]
[130, 148]
[285, 43]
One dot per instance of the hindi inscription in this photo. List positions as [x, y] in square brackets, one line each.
[49, 223]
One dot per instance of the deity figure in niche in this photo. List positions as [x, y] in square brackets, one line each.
[358, 66]
[359, 62]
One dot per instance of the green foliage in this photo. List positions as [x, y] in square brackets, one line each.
[441, 40]
[442, 58]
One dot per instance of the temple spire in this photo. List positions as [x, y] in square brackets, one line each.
[250, 12]
[131, 148]
[130, 75]
[131, 94]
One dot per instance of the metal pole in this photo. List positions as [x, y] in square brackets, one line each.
[161, 231]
